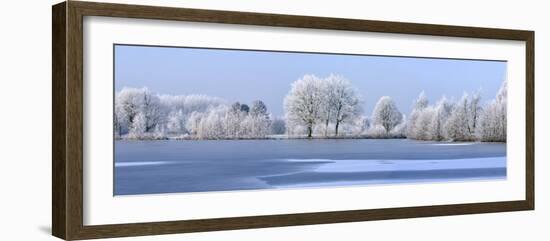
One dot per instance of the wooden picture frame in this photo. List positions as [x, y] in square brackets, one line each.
[67, 122]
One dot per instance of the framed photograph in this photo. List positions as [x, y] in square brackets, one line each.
[171, 120]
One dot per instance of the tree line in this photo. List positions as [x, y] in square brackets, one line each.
[141, 114]
[314, 107]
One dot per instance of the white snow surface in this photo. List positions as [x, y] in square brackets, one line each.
[455, 144]
[134, 164]
[404, 165]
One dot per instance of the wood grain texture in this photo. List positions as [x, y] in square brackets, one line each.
[59, 196]
[530, 120]
[75, 125]
[280, 20]
[155, 228]
[67, 137]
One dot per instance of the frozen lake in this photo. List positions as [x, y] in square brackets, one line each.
[147, 167]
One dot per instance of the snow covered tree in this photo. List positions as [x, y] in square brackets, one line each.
[377, 131]
[140, 114]
[131, 103]
[343, 100]
[386, 114]
[441, 113]
[245, 108]
[139, 126]
[492, 122]
[327, 107]
[278, 126]
[189, 103]
[236, 107]
[474, 112]
[502, 94]
[462, 124]
[233, 120]
[399, 131]
[256, 126]
[117, 122]
[303, 103]
[419, 104]
[259, 109]
[159, 133]
[176, 122]
[151, 110]
[257, 122]
[458, 124]
[422, 125]
[127, 107]
[194, 121]
[313, 101]
[421, 101]
[211, 125]
[360, 125]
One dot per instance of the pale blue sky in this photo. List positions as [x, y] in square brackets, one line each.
[244, 76]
